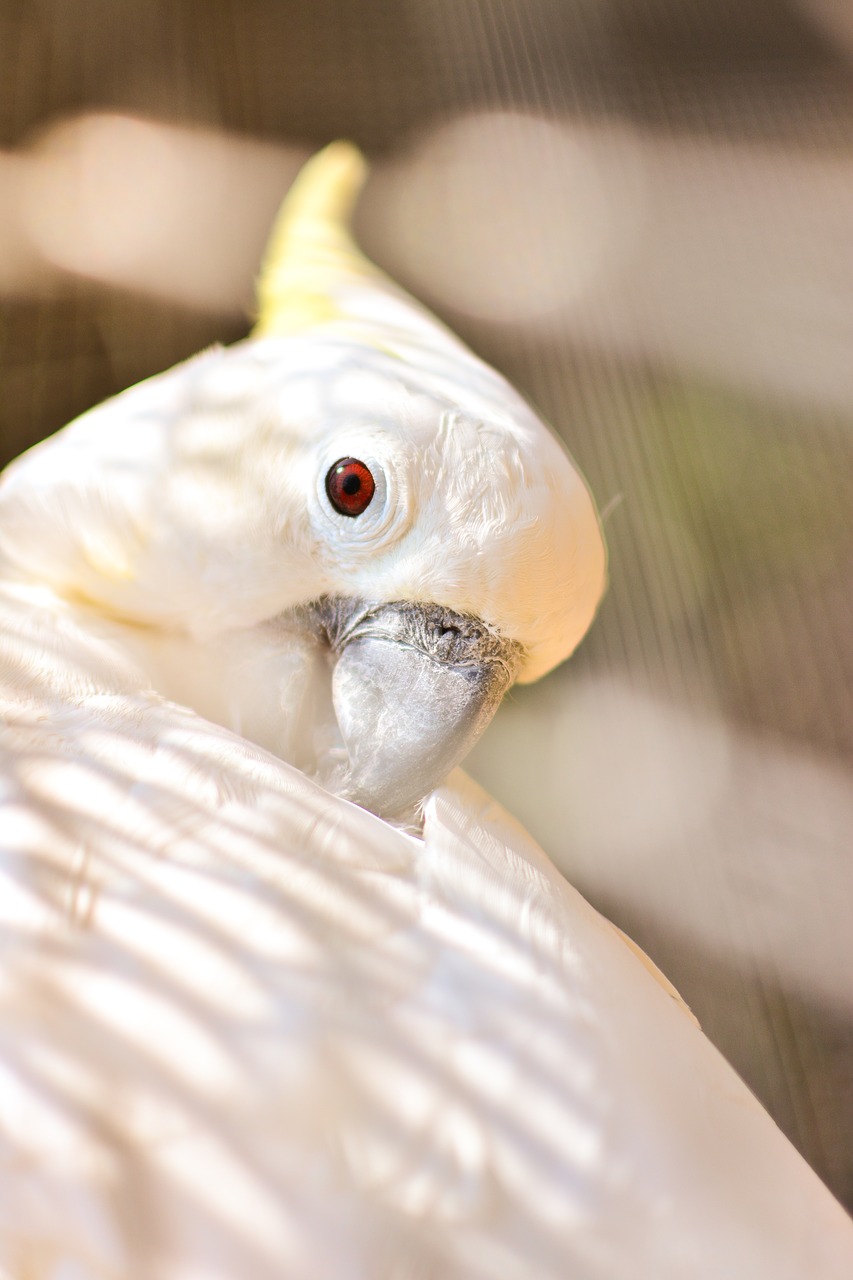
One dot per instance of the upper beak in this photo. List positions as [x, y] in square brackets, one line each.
[413, 686]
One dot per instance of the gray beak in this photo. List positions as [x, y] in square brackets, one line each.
[413, 686]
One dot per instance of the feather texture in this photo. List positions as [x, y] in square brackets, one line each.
[249, 1029]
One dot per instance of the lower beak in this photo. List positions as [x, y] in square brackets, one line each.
[413, 687]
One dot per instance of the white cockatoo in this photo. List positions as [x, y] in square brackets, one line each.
[249, 1028]
[351, 484]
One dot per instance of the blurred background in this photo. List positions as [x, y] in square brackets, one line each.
[643, 215]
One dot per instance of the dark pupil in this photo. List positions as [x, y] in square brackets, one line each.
[351, 484]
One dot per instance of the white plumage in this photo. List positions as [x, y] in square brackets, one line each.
[248, 1029]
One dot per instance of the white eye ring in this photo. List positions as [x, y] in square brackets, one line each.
[386, 517]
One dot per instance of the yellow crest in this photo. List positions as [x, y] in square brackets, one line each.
[311, 252]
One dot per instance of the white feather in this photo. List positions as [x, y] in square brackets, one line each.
[250, 1030]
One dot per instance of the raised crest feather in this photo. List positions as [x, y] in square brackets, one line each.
[311, 251]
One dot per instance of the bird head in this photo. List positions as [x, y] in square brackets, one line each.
[349, 490]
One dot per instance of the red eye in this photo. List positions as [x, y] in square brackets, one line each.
[350, 486]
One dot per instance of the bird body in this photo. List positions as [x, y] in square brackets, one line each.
[247, 1027]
